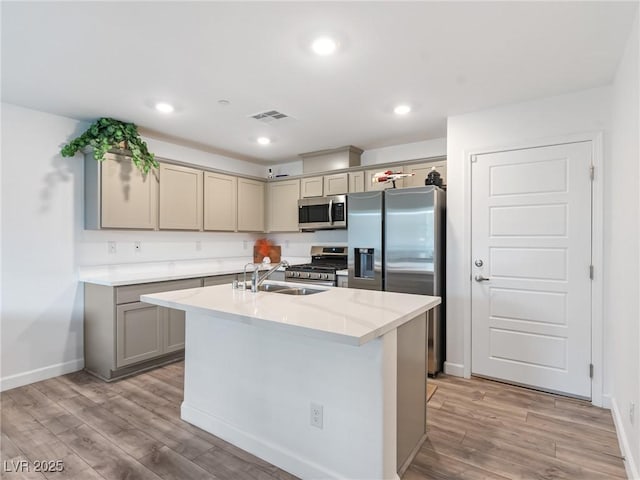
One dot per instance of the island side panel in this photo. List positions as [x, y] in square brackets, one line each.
[254, 387]
[412, 389]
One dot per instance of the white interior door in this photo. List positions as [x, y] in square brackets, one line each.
[531, 253]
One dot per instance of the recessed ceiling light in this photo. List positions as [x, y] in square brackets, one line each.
[264, 140]
[164, 107]
[324, 46]
[402, 109]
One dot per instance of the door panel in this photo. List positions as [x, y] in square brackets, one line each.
[138, 332]
[173, 329]
[531, 251]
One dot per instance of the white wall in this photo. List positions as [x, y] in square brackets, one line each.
[516, 124]
[622, 259]
[44, 242]
[376, 156]
[41, 215]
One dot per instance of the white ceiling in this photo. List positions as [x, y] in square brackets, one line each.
[87, 60]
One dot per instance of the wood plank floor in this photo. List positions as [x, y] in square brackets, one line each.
[131, 429]
[480, 429]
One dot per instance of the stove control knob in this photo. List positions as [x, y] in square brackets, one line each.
[325, 276]
[296, 274]
[305, 275]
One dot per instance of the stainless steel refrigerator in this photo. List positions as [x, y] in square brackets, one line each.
[396, 243]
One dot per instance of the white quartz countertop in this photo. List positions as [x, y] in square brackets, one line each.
[345, 315]
[134, 273]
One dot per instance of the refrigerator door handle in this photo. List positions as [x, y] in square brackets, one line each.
[331, 212]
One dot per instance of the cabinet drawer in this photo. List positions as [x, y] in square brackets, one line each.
[131, 293]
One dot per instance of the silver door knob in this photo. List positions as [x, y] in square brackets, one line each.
[480, 278]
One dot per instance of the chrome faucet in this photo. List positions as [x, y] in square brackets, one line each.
[258, 280]
[254, 275]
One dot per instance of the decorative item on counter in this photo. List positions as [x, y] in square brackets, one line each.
[389, 176]
[264, 248]
[433, 178]
[109, 134]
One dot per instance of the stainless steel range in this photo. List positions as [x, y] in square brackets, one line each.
[325, 262]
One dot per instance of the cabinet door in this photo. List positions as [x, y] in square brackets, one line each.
[369, 186]
[220, 202]
[336, 184]
[221, 279]
[250, 205]
[129, 199]
[356, 182]
[311, 187]
[173, 324]
[180, 197]
[138, 333]
[421, 171]
[283, 206]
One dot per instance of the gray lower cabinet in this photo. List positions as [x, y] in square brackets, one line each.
[123, 335]
[221, 279]
[173, 322]
[139, 333]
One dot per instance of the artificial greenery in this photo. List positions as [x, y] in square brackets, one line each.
[106, 134]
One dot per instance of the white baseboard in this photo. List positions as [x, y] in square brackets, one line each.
[32, 376]
[455, 369]
[606, 401]
[274, 454]
[630, 462]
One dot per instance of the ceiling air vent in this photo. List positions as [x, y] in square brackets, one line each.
[270, 116]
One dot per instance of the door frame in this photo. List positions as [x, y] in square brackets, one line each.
[597, 240]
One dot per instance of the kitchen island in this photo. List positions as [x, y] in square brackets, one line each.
[329, 385]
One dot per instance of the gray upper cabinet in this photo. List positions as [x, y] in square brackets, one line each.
[251, 196]
[180, 197]
[369, 174]
[311, 187]
[421, 170]
[356, 182]
[220, 202]
[336, 184]
[118, 195]
[283, 206]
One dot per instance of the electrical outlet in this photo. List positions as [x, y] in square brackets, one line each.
[632, 412]
[198, 245]
[111, 248]
[316, 415]
[137, 247]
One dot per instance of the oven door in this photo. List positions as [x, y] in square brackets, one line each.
[322, 213]
[326, 283]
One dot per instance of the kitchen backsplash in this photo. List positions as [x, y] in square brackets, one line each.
[117, 246]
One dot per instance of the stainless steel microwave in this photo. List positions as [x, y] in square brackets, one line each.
[322, 213]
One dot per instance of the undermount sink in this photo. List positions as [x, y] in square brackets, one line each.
[286, 290]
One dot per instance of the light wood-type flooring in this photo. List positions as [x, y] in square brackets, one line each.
[131, 429]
